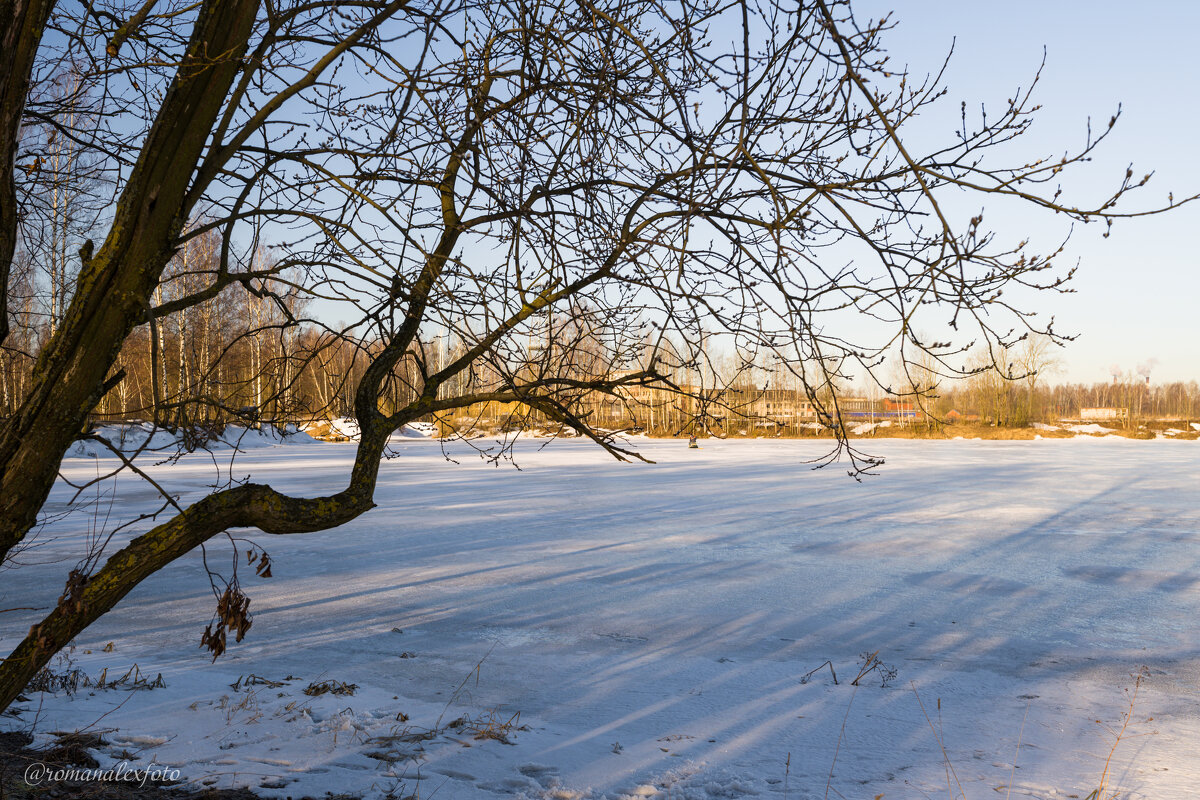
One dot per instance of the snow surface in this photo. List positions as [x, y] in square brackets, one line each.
[419, 430]
[652, 625]
[345, 426]
[149, 440]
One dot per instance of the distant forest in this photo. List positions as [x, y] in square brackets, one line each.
[251, 355]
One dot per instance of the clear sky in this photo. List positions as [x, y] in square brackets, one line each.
[1138, 292]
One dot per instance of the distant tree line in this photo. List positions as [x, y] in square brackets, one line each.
[1011, 405]
[252, 355]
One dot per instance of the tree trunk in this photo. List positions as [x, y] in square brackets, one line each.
[22, 23]
[115, 285]
[248, 505]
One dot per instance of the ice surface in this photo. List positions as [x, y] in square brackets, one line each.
[653, 623]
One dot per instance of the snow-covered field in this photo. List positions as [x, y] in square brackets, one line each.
[652, 625]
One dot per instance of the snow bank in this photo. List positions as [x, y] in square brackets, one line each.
[270, 436]
[347, 428]
[1090, 427]
[419, 430]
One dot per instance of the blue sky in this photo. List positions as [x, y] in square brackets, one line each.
[1137, 292]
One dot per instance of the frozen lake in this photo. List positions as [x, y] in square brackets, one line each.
[652, 625]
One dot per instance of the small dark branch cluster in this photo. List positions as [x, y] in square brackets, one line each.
[233, 614]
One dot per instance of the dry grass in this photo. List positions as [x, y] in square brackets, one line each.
[971, 431]
[70, 680]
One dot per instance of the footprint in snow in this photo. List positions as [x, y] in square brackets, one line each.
[624, 638]
[140, 741]
[508, 786]
[545, 775]
[455, 774]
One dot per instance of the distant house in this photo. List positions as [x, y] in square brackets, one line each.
[855, 405]
[1104, 413]
[781, 405]
[899, 408]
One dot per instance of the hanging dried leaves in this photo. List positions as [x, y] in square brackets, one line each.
[233, 614]
[72, 596]
[263, 567]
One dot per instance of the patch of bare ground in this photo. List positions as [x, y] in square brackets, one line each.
[73, 751]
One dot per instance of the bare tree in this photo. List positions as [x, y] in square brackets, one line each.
[1036, 358]
[700, 176]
